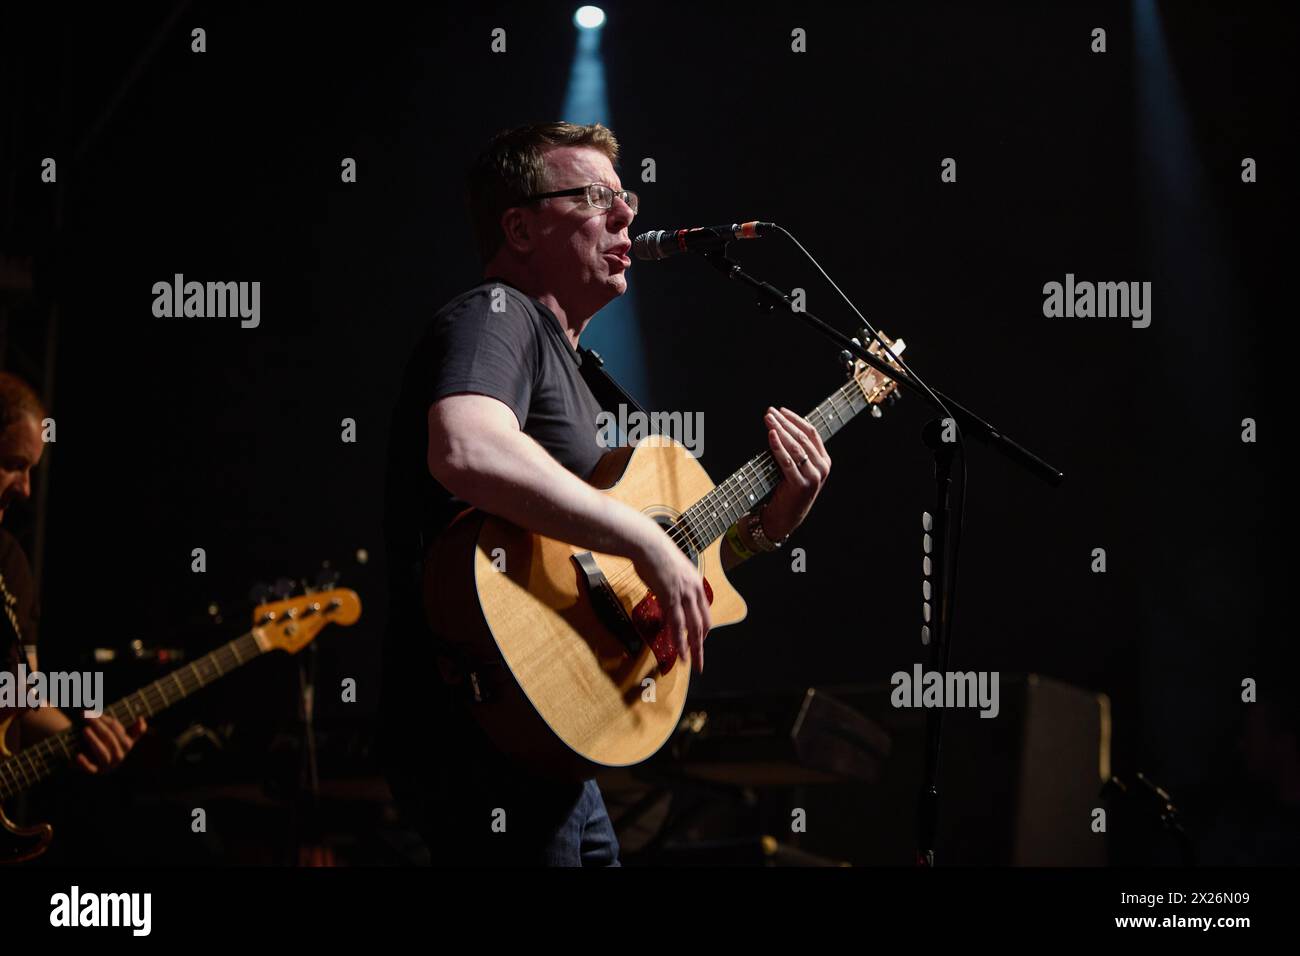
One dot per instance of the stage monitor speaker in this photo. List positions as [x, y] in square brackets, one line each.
[1016, 789]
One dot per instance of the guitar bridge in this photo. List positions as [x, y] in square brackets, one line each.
[607, 605]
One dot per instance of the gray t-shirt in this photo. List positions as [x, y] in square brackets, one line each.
[520, 356]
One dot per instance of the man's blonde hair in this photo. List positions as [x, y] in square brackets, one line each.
[513, 165]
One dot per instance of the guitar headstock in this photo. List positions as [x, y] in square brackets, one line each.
[876, 388]
[291, 624]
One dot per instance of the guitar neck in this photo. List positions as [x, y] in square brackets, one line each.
[710, 517]
[35, 763]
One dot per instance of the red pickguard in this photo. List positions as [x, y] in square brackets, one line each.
[648, 619]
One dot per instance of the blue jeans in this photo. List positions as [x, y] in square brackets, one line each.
[481, 811]
[586, 837]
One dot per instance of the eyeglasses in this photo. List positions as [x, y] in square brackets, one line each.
[598, 195]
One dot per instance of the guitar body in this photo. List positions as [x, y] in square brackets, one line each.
[19, 843]
[565, 693]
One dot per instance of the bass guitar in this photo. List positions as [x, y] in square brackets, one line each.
[288, 625]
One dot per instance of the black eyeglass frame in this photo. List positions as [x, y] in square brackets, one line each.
[629, 197]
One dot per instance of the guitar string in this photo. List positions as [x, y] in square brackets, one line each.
[745, 480]
[745, 484]
[154, 697]
[151, 695]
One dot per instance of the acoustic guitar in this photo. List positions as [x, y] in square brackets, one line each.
[563, 655]
[288, 625]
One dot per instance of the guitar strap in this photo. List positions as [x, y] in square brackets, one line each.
[608, 392]
[11, 636]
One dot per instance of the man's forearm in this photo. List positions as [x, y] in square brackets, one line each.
[514, 477]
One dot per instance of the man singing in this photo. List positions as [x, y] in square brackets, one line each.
[494, 413]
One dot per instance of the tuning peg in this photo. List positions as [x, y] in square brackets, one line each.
[857, 342]
[260, 593]
[846, 359]
[283, 588]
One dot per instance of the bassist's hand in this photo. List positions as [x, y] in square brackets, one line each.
[106, 743]
[680, 589]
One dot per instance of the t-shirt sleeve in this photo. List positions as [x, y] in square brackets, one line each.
[474, 349]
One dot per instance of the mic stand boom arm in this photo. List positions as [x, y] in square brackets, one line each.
[940, 523]
[969, 423]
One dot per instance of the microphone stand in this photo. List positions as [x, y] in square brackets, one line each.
[941, 523]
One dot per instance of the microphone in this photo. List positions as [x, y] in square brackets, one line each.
[662, 243]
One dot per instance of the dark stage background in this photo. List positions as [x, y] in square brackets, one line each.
[175, 434]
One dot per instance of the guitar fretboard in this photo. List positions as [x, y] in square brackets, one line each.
[35, 763]
[710, 517]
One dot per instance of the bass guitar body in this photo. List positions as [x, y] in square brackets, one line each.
[19, 843]
[565, 652]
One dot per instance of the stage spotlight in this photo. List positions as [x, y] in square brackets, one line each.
[617, 335]
[589, 18]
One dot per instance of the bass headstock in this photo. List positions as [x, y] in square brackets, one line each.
[292, 623]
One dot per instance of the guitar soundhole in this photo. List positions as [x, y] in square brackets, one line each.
[668, 521]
